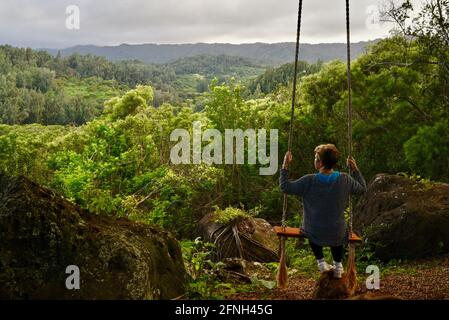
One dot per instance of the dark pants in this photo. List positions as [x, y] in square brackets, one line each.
[337, 252]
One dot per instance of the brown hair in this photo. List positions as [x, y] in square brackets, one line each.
[328, 154]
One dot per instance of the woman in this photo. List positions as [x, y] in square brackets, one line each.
[325, 196]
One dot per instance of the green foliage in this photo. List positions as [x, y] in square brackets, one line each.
[174, 199]
[219, 65]
[38, 88]
[226, 100]
[95, 90]
[201, 269]
[116, 164]
[231, 214]
[24, 149]
[397, 121]
[427, 152]
[273, 78]
[130, 103]
[38, 79]
[204, 281]
[268, 284]
[425, 183]
[197, 255]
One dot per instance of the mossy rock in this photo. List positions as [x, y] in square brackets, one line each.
[404, 219]
[42, 233]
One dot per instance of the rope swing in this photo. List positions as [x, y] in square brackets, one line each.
[282, 272]
[351, 269]
[283, 231]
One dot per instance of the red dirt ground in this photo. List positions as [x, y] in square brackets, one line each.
[421, 280]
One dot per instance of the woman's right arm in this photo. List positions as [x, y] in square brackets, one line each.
[297, 187]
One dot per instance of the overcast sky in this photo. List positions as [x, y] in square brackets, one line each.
[42, 23]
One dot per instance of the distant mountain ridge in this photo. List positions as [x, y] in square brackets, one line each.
[267, 53]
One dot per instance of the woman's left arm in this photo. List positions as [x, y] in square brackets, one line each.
[358, 184]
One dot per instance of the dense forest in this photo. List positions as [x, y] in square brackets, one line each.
[98, 132]
[39, 88]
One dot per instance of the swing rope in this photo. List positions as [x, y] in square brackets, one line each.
[292, 114]
[349, 109]
[282, 271]
[351, 268]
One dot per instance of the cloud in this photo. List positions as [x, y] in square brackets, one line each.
[111, 22]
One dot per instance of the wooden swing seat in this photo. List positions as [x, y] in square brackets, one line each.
[290, 232]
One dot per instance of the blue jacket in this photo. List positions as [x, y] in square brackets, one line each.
[325, 199]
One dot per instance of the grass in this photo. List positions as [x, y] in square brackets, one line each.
[93, 88]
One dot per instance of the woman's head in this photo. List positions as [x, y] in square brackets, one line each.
[326, 155]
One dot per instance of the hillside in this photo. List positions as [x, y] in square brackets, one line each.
[273, 77]
[36, 87]
[268, 53]
[216, 65]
